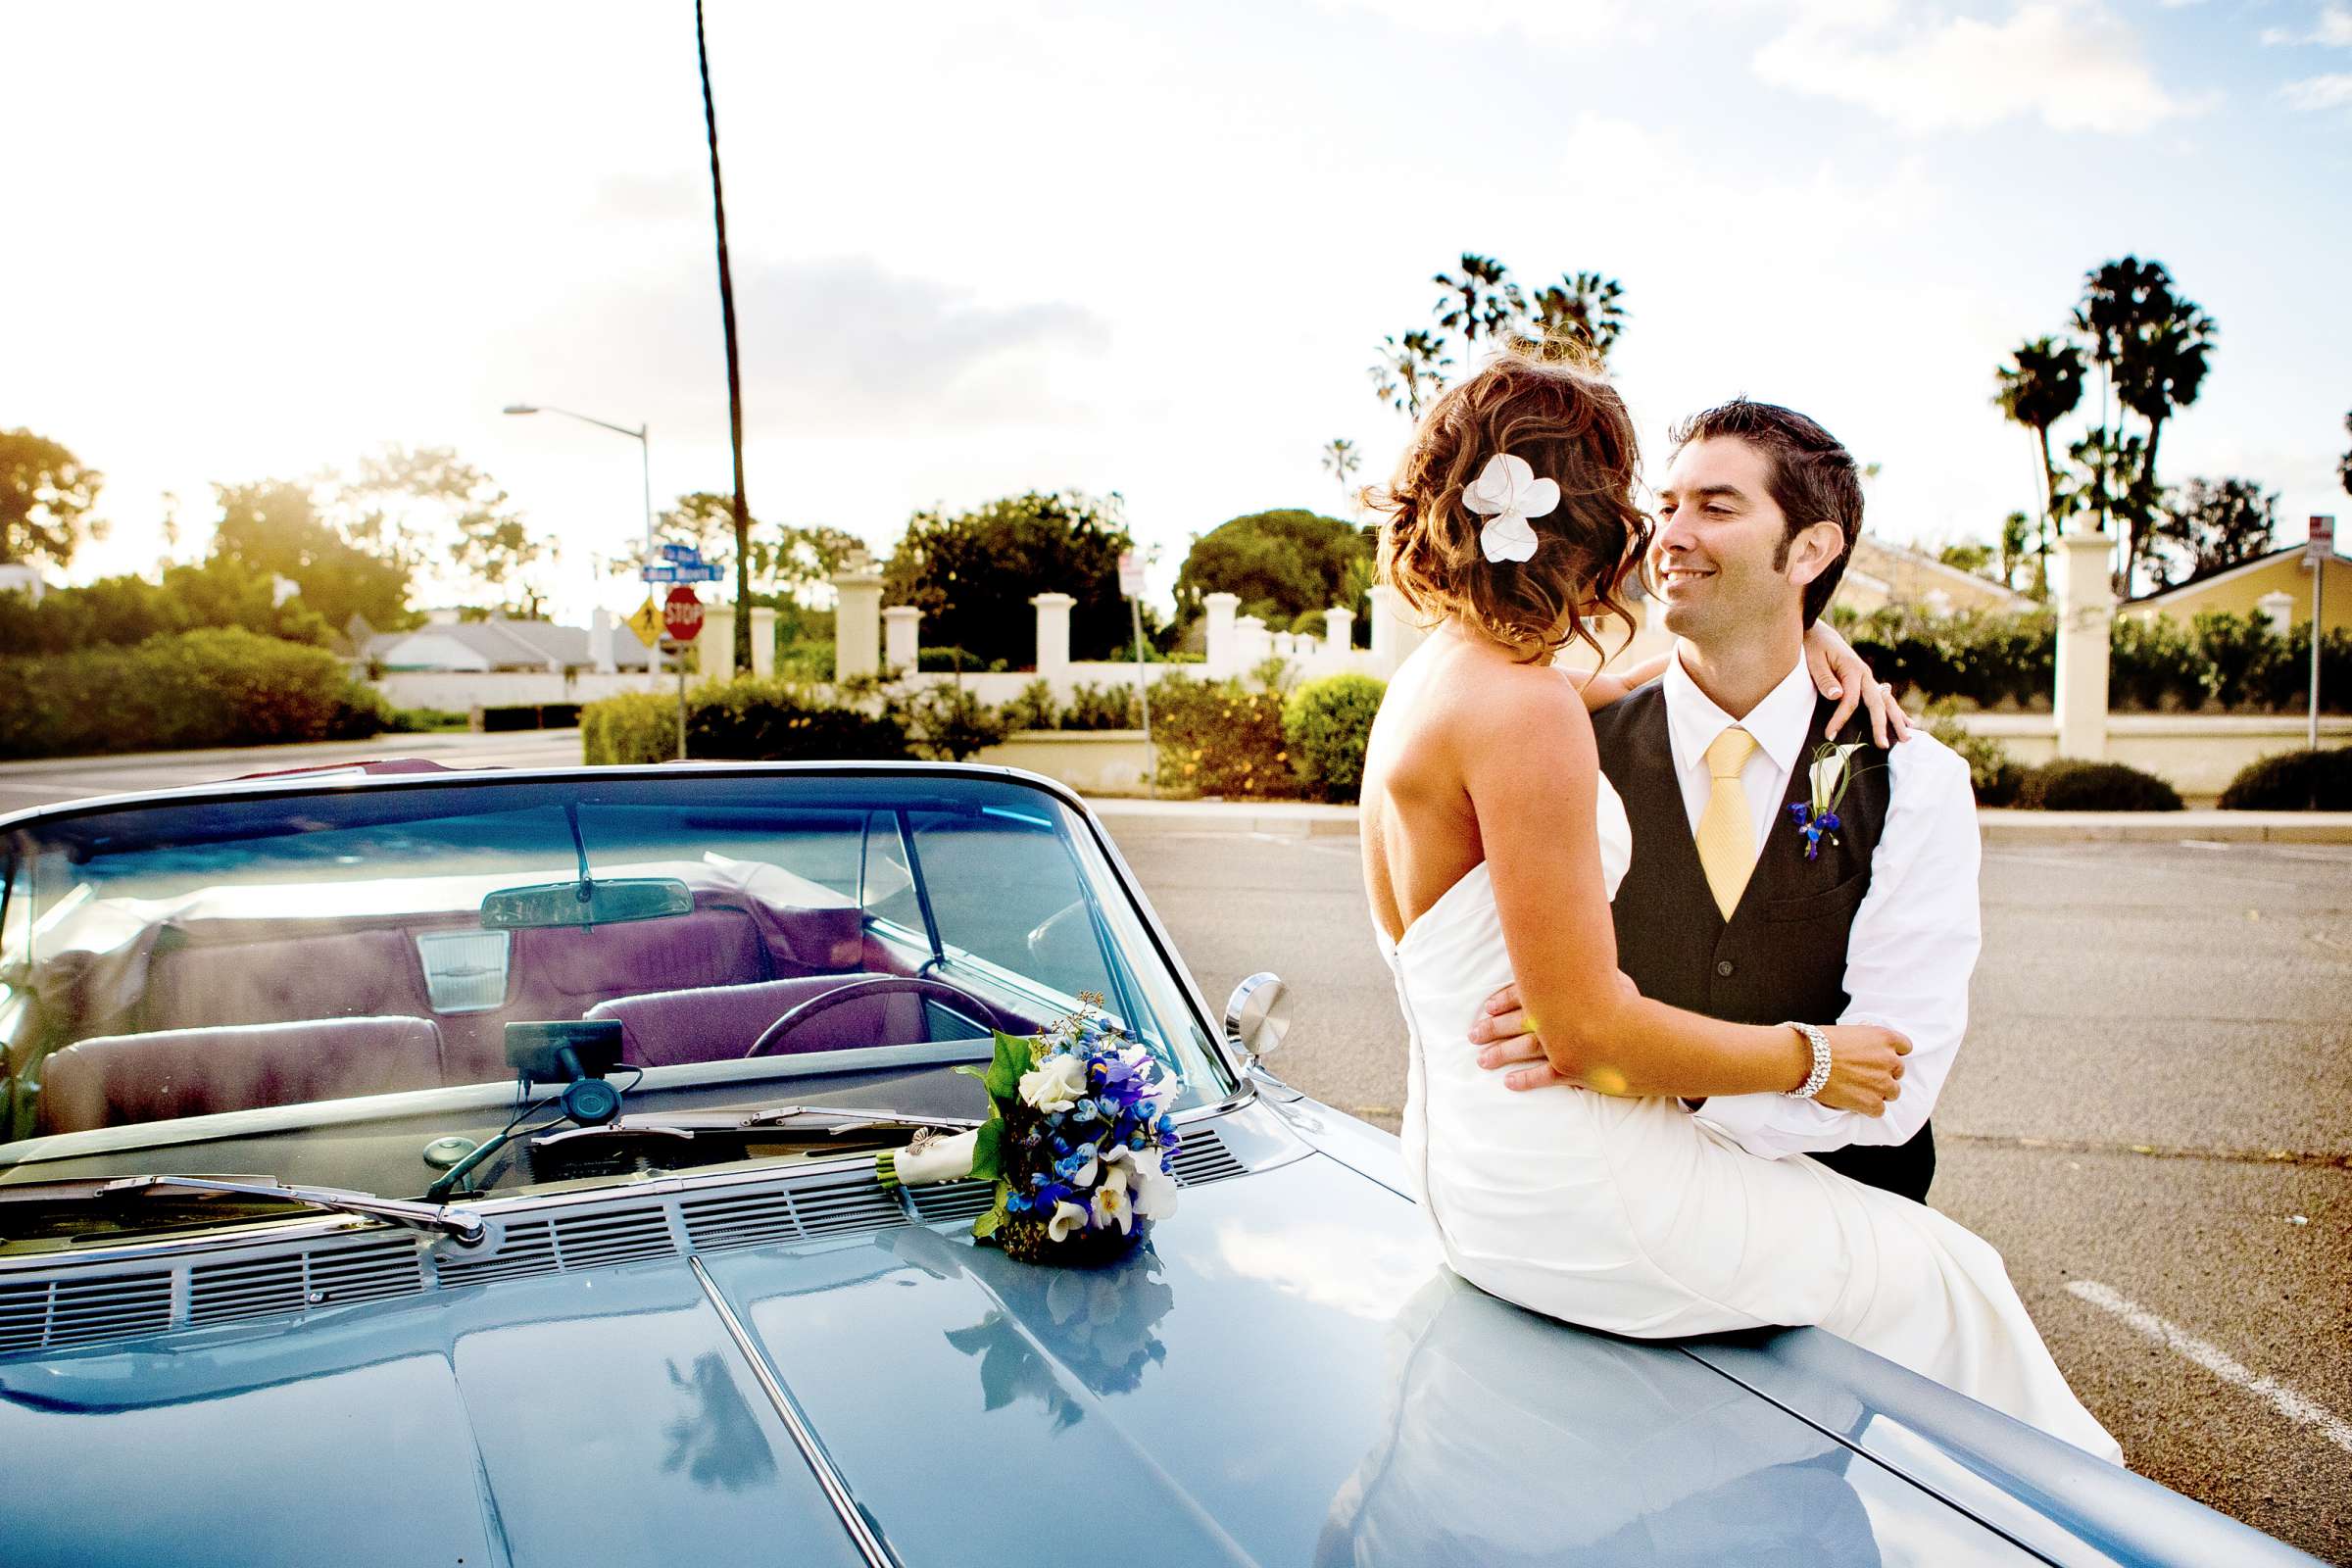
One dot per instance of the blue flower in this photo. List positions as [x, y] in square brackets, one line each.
[1016, 1204]
[1084, 1110]
[1051, 1193]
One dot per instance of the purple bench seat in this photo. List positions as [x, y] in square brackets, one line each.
[113, 1079]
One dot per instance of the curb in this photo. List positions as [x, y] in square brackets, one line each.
[1290, 821]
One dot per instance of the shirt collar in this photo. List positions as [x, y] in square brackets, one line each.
[1779, 722]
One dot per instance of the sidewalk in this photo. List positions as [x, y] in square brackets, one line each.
[1296, 819]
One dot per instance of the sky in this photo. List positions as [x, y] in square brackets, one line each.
[984, 248]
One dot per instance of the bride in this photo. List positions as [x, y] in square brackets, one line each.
[1492, 844]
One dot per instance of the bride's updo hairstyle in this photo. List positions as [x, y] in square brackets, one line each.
[1569, 425]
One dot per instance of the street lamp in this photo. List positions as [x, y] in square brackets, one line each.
[644, 449]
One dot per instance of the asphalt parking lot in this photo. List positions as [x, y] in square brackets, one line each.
[2150, 1119]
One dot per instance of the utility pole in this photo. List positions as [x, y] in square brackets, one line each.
[727, 306]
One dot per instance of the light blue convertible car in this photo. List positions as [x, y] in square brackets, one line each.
[465, 1168]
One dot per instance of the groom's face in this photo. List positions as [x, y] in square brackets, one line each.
[1718, 554]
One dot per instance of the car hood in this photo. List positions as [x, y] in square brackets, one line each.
[1285, 1374]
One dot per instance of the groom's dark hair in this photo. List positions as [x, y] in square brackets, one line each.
[1812, 478]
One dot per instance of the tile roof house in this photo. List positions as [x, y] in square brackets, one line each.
[1881, 574]
[502, 644]
[2241, 589]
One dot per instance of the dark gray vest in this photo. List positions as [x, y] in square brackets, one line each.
[1782, 955]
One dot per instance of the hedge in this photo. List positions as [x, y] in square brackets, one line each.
[1220, 738]
[749, 718]
[2222, 661]
[2072, 785]
[2293, 781]
[1326, 723]
[222, 686]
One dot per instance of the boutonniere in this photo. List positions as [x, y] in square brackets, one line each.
[1826, 783]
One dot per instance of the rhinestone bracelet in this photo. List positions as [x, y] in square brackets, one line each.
[1821, 1062]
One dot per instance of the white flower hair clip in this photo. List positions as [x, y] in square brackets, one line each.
[1506, 493]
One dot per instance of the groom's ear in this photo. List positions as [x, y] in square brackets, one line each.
[1814, 550]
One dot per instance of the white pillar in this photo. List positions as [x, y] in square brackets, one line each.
[763, 640]
[1224, 659]
[1253, 644]
[714, 644]
[858, 618]
[1054, 638]
[1338, 629]
[600, 642]
[2277, 611]
[1394, 633]
[2086, 620]
[901, 632]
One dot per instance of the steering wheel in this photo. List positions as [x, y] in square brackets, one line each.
[886, 985]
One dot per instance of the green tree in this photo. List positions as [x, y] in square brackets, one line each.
[2017, 546]
[2041, 384]
[1972, 558]
[2154, 348]
[276, 528]
[46, 498]
[1585, 307]
[1280, 563]
[2214, 524]
[1482, 301]
[973, 573]
[1340, 460]
[2108, 478]
[488, 538]
[1410, 372]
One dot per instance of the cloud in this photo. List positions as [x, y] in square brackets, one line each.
[1545, 22]
[2071, 66]
[2315, 93]
[2333, 30]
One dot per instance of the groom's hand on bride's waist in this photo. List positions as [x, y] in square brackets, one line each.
[1508, 1038]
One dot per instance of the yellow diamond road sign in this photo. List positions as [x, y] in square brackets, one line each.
[646, 623]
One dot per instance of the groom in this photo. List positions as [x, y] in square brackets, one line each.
[1727, 908]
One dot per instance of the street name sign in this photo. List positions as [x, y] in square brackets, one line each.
[683, 554]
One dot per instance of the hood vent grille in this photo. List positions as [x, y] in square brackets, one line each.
[55, 1314]
[47, 1315]
[323, 1276]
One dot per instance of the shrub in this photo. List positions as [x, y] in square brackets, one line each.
[1034, 707]
[763, 718]
[1992, 774]
[222, 686]
[424, 720]
[2070, 784]
[632, 727]
[1111, 705]
[1325, 724]
[1217, 737]
[2293, 781]
[945, 721]
[2247, 661]
[2155, 665]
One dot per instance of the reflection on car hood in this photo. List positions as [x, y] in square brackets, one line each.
[1284, 1375]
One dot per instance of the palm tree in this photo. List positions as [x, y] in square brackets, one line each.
[1584, 307]
[1409, 372]
[742, 653]
[2041, 384]
[2343, 469]
[1340, 460]
[1483, 298]
[2162, 370]
[2116, 298]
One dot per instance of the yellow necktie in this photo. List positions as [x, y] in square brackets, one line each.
[1727, 833]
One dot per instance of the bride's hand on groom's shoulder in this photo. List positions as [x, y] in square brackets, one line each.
[1866, 1069]
[1839, 672]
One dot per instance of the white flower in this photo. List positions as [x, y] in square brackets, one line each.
[1111, 1207]
[1066, 1217]
[1118, 1167]
[1828, 773]
[1055, 1084]
[1155, 1191]
[1507, 493]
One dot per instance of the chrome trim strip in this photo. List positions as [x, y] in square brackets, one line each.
[837, 1490]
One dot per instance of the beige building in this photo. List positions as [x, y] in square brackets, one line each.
[2277, 583]
[1881, 574]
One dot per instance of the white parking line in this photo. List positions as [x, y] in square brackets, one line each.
[2218, 1361]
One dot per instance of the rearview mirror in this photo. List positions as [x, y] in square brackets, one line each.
[1259, 1015]
[632, 897]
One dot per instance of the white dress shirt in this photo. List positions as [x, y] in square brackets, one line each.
[1915, 937]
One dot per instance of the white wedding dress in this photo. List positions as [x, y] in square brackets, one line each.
[1632, 1216]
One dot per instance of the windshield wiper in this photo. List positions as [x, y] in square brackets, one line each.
[819, 1122]
[462, 1225]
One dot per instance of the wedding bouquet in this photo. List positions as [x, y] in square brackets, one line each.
[1078, 1142]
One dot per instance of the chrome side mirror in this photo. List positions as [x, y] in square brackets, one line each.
[1257, 1016]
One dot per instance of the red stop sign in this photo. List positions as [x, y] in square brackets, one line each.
[682, 615]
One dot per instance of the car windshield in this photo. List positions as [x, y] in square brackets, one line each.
[340, 986]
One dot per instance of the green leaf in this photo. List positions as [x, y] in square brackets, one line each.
[1013, 1058]
[985, 1225]
[988, 1149]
